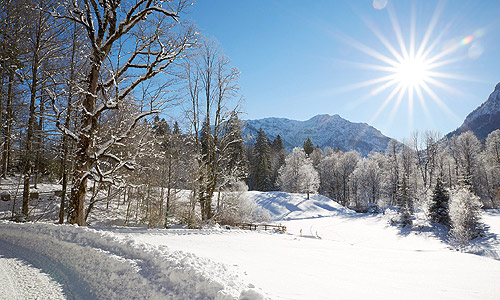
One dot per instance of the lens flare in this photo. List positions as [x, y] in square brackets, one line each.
[379, 4]
[466, 40]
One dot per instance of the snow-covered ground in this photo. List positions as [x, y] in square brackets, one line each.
[343, 255]
[328, 252]
[92, 264]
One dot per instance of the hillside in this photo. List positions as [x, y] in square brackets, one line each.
[323, 130]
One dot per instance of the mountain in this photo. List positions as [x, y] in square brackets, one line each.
[323, 130]
[484, 119]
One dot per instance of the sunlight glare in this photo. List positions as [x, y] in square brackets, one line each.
[412, 72]
[413, 65]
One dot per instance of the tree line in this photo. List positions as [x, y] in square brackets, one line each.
[414, 175]
[83, 87]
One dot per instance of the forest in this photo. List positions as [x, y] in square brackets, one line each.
[128, 102]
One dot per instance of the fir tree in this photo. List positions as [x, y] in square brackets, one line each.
[308, 147]
[176, 130]
[277, 144]
[262, 163]
[438, 208]
[160, 126]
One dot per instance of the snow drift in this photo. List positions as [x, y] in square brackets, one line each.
[97, 265]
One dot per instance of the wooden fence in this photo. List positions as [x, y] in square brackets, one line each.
[265, 227]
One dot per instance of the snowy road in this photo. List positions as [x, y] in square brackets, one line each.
[86, 264]
[21, 281]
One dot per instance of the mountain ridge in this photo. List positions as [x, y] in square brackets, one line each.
[484, 119]
[324, 130]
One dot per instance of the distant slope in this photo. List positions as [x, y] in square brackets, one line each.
[323, 130]
[290, 206]
[484, 119]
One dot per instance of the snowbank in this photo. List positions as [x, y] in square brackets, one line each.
[93, 264]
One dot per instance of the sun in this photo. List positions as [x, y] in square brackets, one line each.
[411, 66]
[412, 72]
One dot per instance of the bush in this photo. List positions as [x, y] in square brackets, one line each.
[465, 212]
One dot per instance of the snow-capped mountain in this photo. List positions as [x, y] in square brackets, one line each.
[484, 119]
[323, 130]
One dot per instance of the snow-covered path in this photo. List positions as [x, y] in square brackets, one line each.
[90, 264]
[19, 281]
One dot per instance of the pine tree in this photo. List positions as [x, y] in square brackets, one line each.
[262, 163]
[277, 144]
[176, 130]
[308, 147]
[438, 208]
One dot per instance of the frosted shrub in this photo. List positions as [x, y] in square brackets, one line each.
[298, 175]
[465, 212]
[236, 207]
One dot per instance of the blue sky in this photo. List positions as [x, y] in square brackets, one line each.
[302, 58]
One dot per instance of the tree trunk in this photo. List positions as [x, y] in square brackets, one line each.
[39, 142]
[83, 156]
[65, 171]
[29, 136]
[8, 127]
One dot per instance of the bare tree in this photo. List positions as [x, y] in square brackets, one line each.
[12, 50]
[212, 85]
[155, 40]
[44, 45]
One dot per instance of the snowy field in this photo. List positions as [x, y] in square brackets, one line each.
[328, 252]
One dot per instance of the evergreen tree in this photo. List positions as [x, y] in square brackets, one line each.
[308, 147]
[438, 208]
[262, 163]
[160, 126]
[176, 130]
[277, 144]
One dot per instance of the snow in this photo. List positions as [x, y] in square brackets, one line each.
[489, 107]
[21, 281]
[93, 264]
[327, 252]
[355, 259]
[287, 206]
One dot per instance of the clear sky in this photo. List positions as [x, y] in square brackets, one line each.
[399, 65]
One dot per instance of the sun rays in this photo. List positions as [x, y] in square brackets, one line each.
[411, 68]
